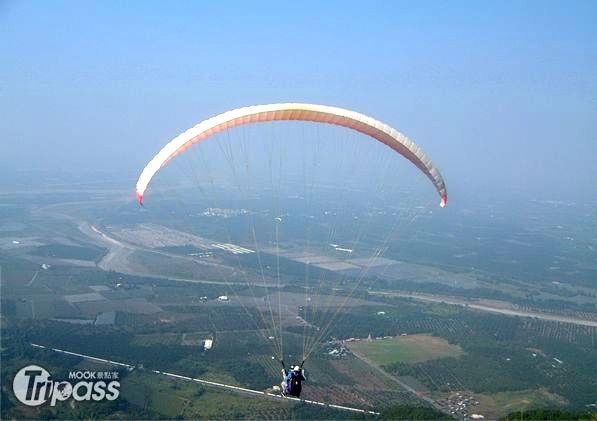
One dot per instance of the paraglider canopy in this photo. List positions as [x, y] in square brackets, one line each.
[294, 111]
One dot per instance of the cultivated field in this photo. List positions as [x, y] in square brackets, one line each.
[406, 349]
[504, 403]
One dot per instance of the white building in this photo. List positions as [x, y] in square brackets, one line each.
[208, 343]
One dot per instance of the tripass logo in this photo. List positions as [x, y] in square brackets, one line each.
[33, 386]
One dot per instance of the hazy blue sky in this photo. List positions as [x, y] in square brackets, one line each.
[498, 93]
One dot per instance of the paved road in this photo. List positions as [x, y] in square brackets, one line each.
[490, 309]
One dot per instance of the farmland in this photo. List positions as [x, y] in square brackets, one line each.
[59, 290]
[503, 403]
[406, 349]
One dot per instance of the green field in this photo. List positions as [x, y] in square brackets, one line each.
[406, 349]
[171, 399]
[503, 403]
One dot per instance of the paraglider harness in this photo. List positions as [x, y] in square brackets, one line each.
[293, 379]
